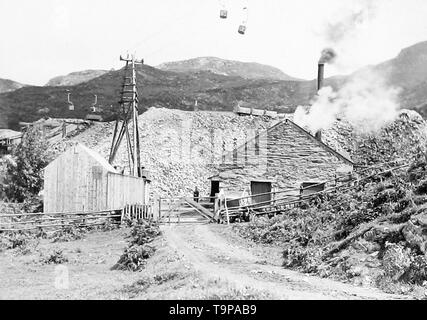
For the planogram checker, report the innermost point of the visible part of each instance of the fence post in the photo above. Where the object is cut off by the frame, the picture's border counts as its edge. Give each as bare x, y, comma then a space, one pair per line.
160, 208
226, 211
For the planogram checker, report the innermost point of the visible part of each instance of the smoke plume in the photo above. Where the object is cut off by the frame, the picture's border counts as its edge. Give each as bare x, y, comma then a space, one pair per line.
347, 22
328, 56
365, 101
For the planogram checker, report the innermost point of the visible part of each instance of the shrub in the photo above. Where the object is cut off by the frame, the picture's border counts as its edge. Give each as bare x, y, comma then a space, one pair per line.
416, 273
138, 251
54, 257
21, 242
68, 233
144, 232
134, 258
396, 260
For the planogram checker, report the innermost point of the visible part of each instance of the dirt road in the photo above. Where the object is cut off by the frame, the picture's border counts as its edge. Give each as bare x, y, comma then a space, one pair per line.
192, 261
215, 253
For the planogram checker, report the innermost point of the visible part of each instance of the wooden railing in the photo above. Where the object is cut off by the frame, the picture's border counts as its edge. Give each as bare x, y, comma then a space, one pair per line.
34, 221
138, 212
59, 220
281, 204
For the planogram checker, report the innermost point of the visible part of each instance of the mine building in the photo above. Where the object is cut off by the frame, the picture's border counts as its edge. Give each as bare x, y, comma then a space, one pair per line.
285, 156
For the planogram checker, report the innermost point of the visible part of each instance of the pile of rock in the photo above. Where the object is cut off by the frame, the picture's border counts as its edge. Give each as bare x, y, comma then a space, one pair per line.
400, 139
180, 148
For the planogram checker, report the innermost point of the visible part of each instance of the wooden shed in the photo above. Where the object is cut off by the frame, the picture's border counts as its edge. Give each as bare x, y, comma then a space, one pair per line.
8, 138
81, 180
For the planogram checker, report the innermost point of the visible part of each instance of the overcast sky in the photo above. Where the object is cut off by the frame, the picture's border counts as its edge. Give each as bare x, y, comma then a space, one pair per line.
46, 38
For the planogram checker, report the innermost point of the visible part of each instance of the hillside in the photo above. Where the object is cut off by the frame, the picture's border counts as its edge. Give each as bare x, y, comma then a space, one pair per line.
246, 70
408, 71
75, 78
157, 88
210, 87
7, 85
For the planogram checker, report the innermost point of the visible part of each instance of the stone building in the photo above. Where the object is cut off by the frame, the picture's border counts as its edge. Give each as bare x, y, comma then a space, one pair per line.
285, 156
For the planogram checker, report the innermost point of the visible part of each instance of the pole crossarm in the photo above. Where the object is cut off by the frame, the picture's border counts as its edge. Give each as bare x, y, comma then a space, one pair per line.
127, 120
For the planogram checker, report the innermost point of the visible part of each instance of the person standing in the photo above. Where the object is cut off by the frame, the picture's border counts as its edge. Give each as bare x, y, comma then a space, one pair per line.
196, 195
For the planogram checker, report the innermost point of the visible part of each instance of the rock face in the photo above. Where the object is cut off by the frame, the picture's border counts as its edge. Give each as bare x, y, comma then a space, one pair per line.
284, 155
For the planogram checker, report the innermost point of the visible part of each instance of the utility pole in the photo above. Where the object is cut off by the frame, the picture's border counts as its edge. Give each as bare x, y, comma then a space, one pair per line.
127, 120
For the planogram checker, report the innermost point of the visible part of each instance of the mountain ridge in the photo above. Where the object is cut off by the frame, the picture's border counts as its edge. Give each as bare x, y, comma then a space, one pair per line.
246, 70
213, 91
7, 85
75, 78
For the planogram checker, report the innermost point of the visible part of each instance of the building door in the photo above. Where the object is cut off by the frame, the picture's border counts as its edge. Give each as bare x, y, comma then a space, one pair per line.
214, 189
260, 188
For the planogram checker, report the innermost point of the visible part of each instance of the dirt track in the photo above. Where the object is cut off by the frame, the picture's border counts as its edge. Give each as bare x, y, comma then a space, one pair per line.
212, 251
192, 261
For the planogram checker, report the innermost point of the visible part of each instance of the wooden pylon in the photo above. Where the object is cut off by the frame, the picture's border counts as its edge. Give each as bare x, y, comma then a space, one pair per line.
127, 119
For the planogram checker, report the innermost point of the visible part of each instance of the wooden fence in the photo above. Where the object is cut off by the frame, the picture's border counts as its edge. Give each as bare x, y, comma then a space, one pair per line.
138, 212
56, 221
288, 200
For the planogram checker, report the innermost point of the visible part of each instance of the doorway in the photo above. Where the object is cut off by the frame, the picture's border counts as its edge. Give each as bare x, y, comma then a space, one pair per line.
214, 190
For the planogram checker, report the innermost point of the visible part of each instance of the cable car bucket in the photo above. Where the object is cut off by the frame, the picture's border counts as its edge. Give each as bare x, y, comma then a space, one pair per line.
94, 108
70, 104
242, 27
223, 13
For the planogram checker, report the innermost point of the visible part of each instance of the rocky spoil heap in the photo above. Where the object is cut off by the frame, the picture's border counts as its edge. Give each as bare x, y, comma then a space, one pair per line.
400, 139
180, 148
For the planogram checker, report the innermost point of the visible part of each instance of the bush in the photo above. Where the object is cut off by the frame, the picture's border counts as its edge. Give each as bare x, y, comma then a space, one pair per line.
396, 260
416, 273
54, 257
21, 242
138, 251
68, 233
134, 258
144, 232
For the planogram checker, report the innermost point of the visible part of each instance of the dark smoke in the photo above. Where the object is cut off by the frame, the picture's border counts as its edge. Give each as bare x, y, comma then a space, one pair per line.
328, 56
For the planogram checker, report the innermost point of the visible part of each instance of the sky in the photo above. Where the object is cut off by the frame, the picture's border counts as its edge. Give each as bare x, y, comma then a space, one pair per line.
47, 38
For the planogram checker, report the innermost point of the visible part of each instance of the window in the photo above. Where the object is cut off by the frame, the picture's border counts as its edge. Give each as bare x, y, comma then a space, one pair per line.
257, 144
307, 188
235, 151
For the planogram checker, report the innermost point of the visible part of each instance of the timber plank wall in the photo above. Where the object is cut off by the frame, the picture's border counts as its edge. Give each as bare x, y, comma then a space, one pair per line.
78, 182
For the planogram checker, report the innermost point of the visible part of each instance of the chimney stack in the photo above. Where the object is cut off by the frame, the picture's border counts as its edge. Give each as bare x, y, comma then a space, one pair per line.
320, 75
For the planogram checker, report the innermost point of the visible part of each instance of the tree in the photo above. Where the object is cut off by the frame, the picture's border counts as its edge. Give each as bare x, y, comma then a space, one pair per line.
24, 175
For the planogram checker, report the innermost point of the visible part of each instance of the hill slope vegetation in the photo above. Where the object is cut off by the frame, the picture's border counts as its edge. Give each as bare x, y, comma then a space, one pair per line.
216, 84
